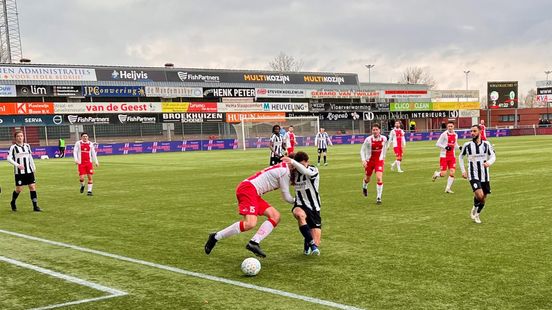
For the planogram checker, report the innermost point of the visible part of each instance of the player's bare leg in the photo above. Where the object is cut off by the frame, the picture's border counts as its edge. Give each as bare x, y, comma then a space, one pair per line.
310, 245
273, 218
365, 182
480, 196
379, 186
249, 222
90, 184
450, 180
81, 180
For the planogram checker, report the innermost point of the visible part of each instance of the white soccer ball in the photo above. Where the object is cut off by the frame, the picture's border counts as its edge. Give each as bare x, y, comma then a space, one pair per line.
251, 266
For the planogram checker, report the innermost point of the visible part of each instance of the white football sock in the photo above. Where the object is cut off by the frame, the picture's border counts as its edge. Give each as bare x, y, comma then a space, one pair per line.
398, 165
449, 182
229, 231
379, 189
364, 185
263, 232
89, 187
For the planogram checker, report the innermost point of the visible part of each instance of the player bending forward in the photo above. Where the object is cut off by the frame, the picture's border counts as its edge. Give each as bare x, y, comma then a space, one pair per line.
251, 205
397, 138
84, 153
481, 156
448, 143
372, 155
307, 201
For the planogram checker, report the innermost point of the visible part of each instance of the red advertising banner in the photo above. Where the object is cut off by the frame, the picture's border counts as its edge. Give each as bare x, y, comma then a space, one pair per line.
25, 108
207, 107
238, 117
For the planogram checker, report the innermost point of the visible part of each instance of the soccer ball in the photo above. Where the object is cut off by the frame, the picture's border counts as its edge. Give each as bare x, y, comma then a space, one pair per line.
251, 266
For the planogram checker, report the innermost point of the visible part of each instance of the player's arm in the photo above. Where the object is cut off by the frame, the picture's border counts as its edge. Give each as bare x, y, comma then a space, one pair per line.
365, 152
403, 139
11, 157
329, 140
76, 152
302, 169
461, 160
316, 140
93, 155
384, 149
284, 189
392, 137
442, 141
491, 155
31, 159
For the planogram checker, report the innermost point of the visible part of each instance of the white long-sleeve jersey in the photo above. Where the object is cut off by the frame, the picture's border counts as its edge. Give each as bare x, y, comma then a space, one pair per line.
307, 183
447, 139
395, 135
373, 146
78, 154
272, 178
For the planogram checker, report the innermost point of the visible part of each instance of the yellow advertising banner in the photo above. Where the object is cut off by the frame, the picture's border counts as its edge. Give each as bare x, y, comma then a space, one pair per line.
449, 106
175, 107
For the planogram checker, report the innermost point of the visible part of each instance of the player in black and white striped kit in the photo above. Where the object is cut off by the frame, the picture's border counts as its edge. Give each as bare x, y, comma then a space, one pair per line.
306, 209
21, 157
481, 156
322, 140
276, 146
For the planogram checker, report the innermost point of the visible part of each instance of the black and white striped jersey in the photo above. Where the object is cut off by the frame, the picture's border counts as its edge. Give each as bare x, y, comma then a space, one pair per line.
307, 182
277, 146
477, 155
322, 140
21, 155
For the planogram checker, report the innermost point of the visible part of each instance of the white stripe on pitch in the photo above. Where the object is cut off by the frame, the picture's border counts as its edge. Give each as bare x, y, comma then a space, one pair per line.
112, 292
188, 273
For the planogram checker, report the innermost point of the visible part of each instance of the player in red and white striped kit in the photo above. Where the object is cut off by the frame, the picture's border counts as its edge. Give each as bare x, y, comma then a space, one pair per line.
84, 153
397, 138
289, 140
372, 155
251, 205
448, 143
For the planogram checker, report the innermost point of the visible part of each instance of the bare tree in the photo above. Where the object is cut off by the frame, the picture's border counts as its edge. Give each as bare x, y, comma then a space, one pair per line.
417, 75
286, 63
531, 98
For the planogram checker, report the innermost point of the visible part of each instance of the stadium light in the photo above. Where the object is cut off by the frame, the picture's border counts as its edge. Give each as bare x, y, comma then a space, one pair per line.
369, 67
467, 72
547, 72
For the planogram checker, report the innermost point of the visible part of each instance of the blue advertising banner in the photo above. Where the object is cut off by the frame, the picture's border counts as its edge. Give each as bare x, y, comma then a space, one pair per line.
113, 91
227, 144
34, 120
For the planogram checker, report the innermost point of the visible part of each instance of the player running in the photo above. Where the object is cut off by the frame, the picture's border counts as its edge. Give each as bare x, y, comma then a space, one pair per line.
372, 155
289, 140
251, 205
306, 209
21, 157
322, 140
481, 156
448, 142
276, 146
84, 153
397, 138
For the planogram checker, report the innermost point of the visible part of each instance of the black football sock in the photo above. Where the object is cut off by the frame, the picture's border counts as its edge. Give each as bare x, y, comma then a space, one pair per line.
305, 231
34, 199
318, 159
480, 207
14, 196
324, 158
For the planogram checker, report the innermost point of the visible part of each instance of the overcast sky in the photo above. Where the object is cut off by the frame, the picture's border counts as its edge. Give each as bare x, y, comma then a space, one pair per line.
495, 40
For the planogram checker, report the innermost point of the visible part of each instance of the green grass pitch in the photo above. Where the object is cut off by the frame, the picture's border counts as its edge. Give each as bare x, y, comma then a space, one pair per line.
418, 250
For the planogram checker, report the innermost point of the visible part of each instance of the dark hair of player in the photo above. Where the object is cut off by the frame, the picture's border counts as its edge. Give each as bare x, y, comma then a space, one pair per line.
274, 128
301, 156
450, 122
376, 125
476, 126
84, 133
17, 132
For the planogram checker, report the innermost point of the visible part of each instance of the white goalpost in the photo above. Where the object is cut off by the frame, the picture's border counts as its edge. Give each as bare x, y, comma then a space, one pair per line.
248, 128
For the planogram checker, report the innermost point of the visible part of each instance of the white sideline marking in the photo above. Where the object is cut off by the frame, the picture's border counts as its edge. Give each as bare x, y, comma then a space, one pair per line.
112, 292
187, 272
